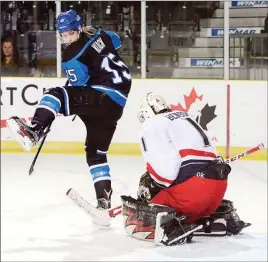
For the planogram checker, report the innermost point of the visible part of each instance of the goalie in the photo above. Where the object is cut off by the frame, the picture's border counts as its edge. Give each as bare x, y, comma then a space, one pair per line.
181, 193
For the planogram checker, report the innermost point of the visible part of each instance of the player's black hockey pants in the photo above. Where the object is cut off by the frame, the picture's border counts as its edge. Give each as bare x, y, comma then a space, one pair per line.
99, 114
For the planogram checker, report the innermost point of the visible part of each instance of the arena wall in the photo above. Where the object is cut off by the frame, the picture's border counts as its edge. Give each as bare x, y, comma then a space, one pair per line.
237, 120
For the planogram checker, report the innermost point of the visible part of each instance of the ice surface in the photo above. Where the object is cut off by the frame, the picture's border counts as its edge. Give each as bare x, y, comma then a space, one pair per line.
40, 223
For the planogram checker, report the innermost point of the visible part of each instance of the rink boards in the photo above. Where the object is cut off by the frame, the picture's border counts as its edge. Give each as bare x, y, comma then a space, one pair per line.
231, 110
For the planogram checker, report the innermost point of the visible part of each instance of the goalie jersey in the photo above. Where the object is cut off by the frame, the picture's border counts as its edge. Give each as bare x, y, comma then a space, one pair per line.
174, 147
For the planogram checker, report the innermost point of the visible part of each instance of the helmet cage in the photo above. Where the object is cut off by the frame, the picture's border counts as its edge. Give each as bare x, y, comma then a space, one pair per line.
153, 105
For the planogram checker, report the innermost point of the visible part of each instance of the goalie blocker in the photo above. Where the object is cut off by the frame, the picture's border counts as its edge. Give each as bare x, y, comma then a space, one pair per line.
155, 223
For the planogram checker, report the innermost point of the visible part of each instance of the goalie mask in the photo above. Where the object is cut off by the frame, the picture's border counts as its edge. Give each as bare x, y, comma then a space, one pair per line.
154, 104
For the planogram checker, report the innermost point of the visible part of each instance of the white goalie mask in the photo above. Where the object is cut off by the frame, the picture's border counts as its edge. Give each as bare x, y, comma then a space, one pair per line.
153, 104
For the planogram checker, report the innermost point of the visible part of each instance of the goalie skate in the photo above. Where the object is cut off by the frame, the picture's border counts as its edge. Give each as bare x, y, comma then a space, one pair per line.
23, 133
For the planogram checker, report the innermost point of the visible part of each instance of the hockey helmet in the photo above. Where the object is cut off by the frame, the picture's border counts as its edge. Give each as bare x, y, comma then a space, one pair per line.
152, 105
68, 21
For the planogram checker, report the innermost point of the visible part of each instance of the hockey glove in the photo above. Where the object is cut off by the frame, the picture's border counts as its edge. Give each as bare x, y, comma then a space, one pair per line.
148, 188
144, 193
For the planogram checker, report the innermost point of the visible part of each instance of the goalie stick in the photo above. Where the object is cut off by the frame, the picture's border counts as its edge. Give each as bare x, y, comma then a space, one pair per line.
248, 152
103, 217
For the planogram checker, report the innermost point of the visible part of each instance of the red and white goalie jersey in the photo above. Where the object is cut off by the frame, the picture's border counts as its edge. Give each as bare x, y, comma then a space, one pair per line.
174, 147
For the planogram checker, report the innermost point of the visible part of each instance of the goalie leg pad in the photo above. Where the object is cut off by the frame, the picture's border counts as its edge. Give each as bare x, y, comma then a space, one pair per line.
156, 223
227, 211
140, 217
174, 232
211, 227
225, 221
234, 224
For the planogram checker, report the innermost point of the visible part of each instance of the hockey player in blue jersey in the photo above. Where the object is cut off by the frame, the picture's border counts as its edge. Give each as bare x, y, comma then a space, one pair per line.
99, 84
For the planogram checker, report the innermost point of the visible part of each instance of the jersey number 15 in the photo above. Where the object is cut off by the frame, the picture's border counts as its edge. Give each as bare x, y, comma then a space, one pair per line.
117, 74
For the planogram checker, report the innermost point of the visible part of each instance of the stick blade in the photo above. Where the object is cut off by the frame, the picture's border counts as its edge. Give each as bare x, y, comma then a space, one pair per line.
99, 217
31, 170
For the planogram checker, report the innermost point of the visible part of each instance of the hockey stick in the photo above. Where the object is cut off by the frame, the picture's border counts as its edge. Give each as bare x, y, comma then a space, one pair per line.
41, 144
102, 217
38, 151
99, 217
248, 152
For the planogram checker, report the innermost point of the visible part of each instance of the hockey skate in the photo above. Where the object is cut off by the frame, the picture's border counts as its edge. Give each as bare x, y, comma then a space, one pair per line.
103, 193
27, 136
103, 203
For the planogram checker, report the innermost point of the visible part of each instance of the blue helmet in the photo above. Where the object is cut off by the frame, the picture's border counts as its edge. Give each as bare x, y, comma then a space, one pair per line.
68, 21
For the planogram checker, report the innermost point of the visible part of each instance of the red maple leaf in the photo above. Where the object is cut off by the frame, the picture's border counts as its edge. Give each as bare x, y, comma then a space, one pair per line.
189, 100
140, 227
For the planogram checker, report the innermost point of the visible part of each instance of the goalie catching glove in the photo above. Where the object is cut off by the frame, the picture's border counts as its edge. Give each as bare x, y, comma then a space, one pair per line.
148, 188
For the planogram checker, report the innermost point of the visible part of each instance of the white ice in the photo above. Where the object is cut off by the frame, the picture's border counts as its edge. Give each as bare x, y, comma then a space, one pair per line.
40, 223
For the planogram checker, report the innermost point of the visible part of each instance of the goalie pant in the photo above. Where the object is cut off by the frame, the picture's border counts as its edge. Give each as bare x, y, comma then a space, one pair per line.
196, 197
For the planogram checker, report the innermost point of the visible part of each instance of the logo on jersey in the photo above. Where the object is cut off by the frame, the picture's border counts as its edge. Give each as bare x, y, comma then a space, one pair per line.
98, 45
200, 174
195, 106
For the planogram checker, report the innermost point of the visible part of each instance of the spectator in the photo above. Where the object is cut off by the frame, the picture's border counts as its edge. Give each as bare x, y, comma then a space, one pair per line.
11, 63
